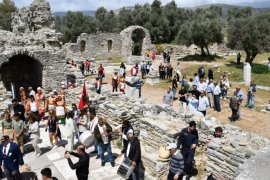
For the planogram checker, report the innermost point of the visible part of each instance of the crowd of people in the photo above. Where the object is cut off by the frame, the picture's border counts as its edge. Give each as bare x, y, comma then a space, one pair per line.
200, 93
29, 110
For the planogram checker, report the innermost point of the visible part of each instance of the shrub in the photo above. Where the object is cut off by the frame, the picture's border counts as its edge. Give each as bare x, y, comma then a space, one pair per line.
260, 69
159, 49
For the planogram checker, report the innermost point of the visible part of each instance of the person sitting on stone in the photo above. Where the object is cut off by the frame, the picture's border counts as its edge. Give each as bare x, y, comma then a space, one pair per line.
217, 134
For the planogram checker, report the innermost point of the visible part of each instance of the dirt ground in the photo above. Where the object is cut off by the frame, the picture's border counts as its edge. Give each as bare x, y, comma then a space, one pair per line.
251, 121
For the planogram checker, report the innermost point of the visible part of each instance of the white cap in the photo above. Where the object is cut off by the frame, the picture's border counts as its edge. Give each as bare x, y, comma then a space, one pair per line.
54, 90
172, 146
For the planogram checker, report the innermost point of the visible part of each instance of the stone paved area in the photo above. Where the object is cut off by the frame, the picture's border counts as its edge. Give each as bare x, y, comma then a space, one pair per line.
55, 160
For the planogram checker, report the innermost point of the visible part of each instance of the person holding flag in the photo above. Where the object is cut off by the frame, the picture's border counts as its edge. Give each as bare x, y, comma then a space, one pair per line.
84, 98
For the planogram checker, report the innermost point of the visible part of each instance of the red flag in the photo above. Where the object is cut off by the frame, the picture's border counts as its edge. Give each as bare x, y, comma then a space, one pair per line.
83, 102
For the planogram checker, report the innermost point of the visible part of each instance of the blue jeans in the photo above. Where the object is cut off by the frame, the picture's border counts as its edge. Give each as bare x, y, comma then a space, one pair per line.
217, 103
105, 148
224, 92
250, 99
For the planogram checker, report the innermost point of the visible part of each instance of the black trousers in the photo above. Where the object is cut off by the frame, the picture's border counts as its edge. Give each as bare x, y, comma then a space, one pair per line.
188, 156
235, 115
171, 176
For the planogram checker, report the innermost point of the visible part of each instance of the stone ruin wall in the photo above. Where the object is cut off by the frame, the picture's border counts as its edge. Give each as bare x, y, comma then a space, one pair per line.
158, 125
98, 45
34, 37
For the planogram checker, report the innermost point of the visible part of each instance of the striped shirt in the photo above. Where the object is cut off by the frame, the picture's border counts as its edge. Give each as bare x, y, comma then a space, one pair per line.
177, 163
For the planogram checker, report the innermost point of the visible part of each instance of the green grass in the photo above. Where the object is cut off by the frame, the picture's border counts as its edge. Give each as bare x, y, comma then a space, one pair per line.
236, 73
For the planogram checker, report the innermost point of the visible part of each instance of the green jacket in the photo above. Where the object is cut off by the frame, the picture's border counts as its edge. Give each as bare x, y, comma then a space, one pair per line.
98, 135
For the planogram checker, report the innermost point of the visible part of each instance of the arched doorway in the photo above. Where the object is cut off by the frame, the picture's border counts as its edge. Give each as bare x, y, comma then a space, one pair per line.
82, 45
138, 36
22, 71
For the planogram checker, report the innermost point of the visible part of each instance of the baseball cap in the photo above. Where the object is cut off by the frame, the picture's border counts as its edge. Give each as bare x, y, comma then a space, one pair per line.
172, 146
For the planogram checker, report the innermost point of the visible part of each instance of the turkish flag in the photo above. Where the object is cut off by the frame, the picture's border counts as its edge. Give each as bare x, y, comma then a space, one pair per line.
84, 97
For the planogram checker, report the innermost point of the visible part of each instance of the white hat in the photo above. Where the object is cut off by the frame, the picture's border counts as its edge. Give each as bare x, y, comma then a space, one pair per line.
63, 83
54, 90
172, 146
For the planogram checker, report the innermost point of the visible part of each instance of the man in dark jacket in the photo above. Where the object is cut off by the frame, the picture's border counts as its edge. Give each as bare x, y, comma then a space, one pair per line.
18, 108
210, 74
187, 142
82, 166
103, 134
133, 152
12, 158
201, 72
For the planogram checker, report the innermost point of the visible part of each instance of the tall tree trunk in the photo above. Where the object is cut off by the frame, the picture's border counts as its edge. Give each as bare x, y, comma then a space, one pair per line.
202, 51
248, 56
208, 53
253, 55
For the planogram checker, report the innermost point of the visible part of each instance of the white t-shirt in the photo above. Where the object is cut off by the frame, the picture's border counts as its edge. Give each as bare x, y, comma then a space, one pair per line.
104, 137
33, 107
93, 124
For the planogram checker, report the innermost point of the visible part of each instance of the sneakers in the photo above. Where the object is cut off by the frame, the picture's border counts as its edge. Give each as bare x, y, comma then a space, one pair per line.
113, 164
38, 154
102, 163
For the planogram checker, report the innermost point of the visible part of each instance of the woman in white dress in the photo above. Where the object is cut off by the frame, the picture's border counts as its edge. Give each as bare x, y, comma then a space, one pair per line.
70, 129
34, 133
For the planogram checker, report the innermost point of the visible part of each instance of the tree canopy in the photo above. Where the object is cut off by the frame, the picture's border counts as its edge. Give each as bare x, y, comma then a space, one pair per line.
6, 8
249, 33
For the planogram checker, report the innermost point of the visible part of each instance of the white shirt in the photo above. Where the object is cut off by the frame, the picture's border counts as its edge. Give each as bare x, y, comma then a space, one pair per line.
202, 86
203, 103
93, 124
33, 106
83, 125
134, 71
104, 137
128, 149
34, 129
125, 136
217, 90
7, 149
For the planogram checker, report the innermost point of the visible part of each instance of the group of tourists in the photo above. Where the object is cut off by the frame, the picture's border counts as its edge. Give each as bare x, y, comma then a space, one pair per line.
200, 93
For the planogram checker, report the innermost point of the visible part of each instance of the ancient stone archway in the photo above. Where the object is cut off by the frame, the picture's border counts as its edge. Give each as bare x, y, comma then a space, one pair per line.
82, 45
135, 41
23, 71
138, 36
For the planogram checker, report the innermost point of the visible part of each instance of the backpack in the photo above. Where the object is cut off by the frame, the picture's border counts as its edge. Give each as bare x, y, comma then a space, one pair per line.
234, 102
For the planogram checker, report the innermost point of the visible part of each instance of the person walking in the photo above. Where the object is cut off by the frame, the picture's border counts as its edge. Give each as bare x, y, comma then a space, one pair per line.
168, 97
102, 133
98, 85
53, 126
234, 105
139, 85
18, 108
143, 69
11, 158
178, 72
7, 126
122, 70
183, 100
122, 84
210, 74
240, 95
174, 86
192, 103
83, 120
176, 163
70, 130
82, 166
251, 91
225, 85
114, 82
126, 128
187, 141
18, 131
33, 107
92, 125
133, 152
201, 72
34, 133
217, 93
203, 103
82, 67
210, 90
